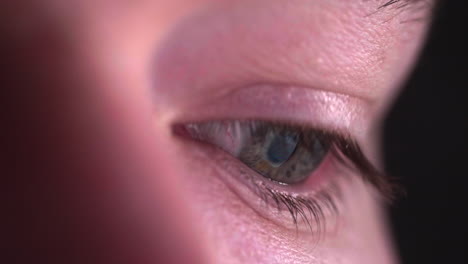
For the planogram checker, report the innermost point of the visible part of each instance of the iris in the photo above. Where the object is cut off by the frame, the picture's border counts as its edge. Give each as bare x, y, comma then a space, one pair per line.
283, 153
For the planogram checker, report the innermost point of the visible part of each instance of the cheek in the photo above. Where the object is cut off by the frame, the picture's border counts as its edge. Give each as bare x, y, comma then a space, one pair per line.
235, 232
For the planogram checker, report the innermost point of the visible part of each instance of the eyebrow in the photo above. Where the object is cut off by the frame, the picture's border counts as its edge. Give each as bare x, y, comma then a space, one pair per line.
398, 4
391, 2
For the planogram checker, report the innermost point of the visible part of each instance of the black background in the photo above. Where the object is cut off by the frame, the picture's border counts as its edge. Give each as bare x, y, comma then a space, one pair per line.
425, 144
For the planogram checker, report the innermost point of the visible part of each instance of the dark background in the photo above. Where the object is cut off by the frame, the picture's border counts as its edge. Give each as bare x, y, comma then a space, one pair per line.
425, 144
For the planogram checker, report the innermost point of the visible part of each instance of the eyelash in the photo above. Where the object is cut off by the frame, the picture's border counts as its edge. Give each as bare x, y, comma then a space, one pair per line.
344, 150
302, 208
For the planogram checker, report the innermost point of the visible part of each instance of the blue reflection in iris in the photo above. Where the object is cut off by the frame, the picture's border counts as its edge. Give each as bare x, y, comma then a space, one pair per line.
281, 148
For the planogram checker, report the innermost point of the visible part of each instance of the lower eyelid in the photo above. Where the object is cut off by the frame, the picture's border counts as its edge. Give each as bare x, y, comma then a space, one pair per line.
255, 192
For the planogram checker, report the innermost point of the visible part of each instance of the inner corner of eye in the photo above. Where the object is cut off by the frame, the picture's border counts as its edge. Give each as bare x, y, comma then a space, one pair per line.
222, 134
179, 130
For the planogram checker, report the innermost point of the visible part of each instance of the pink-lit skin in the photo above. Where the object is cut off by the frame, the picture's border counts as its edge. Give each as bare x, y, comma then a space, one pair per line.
103, 178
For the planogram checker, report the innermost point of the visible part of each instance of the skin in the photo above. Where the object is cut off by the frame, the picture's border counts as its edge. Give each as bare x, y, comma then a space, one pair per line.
104, 180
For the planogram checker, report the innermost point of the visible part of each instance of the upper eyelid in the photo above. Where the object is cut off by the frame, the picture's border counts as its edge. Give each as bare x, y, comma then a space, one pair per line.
294, 104
323, 110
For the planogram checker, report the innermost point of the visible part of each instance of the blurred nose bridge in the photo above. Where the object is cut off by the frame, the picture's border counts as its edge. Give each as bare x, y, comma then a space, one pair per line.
99, 149
145, 167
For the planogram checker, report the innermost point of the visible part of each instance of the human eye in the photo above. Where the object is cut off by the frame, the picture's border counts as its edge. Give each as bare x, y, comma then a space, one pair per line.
282, 117
290, 172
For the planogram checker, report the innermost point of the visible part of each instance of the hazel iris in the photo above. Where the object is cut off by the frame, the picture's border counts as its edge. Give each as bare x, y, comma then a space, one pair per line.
285, 154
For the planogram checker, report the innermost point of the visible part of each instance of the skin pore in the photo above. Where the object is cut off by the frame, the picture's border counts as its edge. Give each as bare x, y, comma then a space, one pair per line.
112, 79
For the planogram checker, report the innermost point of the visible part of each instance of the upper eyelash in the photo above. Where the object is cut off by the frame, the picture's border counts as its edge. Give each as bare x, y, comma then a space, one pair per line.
348, 152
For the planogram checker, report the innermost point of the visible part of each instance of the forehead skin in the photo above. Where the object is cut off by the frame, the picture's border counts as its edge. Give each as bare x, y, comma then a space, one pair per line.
356, 46
114, 65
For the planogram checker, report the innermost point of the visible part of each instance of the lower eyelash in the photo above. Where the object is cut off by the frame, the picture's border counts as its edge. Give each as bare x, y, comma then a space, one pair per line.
309, 210
315, 210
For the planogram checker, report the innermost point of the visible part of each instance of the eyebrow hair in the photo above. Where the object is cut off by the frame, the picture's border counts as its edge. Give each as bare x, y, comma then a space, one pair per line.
413, 6
400, 3
389, 3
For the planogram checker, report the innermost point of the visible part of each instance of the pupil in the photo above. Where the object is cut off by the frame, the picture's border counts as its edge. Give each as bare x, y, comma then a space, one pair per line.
281, 148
